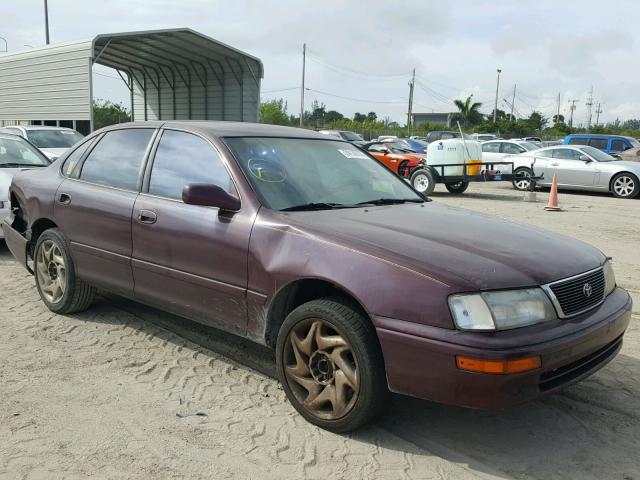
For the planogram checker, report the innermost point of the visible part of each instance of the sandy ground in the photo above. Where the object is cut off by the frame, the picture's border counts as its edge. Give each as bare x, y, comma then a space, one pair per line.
97, 394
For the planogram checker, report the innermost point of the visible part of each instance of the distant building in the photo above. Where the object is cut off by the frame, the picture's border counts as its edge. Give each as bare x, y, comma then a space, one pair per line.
445, 119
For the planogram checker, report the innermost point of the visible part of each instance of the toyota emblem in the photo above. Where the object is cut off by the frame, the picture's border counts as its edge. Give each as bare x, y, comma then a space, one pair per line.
587, 290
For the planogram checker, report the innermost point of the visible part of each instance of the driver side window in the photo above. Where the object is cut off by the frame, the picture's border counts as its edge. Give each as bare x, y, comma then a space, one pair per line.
566, 154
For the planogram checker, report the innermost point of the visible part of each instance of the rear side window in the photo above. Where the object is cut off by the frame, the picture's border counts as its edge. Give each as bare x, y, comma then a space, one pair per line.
566, 154
72, 160
511, 148
117, 158
618, 146
601, 143
491, 147
578, 141
183, 158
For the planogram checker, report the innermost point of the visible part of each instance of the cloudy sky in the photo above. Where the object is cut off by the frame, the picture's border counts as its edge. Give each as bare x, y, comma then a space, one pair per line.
361, 53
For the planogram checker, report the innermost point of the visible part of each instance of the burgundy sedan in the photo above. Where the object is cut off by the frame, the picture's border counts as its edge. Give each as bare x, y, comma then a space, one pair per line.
309, 245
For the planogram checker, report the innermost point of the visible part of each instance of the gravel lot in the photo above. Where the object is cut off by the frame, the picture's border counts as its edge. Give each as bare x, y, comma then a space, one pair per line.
97, 394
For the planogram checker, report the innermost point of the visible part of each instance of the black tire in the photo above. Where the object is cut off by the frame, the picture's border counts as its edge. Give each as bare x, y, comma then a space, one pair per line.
422, 181
625, 185
342, 318
77, 295
522, 185
457, 188
403, 169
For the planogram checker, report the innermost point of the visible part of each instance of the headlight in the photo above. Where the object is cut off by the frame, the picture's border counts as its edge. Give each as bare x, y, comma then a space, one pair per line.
501, 310
609, 278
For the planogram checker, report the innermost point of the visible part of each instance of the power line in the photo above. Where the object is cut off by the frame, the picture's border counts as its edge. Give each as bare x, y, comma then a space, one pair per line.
355, 99
348, 71
281, 90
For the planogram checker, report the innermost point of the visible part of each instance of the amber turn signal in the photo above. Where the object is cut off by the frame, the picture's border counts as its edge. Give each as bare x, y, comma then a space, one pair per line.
497, 366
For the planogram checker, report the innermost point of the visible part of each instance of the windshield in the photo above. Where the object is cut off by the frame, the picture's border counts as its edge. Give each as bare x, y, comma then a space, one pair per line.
633, 142
529, 146
350, 136
53, 138
16, 152
292, 172
399, 148
598, 155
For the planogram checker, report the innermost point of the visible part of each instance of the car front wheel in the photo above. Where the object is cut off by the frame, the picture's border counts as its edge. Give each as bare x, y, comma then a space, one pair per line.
625, 185
523, 182
330, 365
60, 289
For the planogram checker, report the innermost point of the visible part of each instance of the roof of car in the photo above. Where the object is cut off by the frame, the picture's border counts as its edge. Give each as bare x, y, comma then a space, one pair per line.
238, 129
39, 127
596, 135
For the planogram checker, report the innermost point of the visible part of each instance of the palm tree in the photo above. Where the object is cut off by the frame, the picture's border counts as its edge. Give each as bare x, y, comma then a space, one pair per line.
468, 112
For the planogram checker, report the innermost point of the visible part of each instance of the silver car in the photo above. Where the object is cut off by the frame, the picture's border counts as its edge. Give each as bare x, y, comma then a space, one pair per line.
52, 141
16, 154
578, 168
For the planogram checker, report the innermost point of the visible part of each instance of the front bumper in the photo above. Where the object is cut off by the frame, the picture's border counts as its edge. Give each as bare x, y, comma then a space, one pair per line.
420, 360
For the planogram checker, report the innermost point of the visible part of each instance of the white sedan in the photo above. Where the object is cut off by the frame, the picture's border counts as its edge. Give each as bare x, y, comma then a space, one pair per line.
578, 167
497, 150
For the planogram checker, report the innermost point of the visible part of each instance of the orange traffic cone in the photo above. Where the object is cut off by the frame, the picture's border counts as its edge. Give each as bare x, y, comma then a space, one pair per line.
553, 196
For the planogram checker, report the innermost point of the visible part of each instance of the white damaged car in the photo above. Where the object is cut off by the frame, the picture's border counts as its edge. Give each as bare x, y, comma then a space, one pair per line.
16, 154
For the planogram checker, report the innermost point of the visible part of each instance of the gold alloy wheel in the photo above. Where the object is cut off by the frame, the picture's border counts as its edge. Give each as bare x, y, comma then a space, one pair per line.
51, 271
321, 369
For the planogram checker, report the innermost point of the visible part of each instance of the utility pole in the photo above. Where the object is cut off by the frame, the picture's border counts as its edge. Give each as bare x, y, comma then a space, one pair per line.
558, 113
598, 112
410, 109
513, 102
495, 106
572, 108
589, 104
304, 59
46, 20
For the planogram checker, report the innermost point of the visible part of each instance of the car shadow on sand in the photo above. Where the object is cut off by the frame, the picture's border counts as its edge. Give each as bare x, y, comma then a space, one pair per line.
589, 430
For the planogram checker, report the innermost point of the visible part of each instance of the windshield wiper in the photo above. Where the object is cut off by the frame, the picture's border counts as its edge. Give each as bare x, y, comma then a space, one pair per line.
314, 206
18, 165
391, 201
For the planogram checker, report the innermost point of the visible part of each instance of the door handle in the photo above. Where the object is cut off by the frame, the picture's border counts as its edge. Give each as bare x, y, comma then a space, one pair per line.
147, 216
555, 164
64, 199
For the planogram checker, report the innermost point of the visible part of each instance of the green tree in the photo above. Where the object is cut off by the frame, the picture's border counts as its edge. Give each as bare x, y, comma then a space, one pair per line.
107, 113
333, 116
558, 119
359, 117
468, 111
372, 117
274, 112
537, 121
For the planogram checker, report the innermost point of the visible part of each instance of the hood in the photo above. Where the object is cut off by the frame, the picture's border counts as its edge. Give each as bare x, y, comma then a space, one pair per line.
53, 153
464, 249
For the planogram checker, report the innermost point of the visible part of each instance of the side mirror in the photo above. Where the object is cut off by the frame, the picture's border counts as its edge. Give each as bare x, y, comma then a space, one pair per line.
584, 158
385, 151
208, 195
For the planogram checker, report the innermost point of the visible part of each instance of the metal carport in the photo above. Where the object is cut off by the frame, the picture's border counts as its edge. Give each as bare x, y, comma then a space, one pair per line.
171, 74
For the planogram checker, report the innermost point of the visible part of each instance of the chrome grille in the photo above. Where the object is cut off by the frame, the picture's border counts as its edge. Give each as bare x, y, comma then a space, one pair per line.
577, 294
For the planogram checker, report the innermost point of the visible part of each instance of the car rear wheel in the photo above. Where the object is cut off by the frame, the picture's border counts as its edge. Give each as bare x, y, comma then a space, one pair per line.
330, 365
422, 181
523, 182
56, 281
625, 185
457, 188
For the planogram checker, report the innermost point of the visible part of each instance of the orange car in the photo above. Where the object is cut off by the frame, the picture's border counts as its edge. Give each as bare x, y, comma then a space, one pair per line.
397, 157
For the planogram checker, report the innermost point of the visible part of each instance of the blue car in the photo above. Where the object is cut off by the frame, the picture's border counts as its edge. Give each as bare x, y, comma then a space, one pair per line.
626, 148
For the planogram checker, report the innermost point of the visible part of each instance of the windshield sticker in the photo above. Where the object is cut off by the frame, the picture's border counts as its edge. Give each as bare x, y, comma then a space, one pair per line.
352, 153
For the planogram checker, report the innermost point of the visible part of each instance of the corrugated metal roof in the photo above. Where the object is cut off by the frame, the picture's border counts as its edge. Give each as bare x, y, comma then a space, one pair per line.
171, 74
